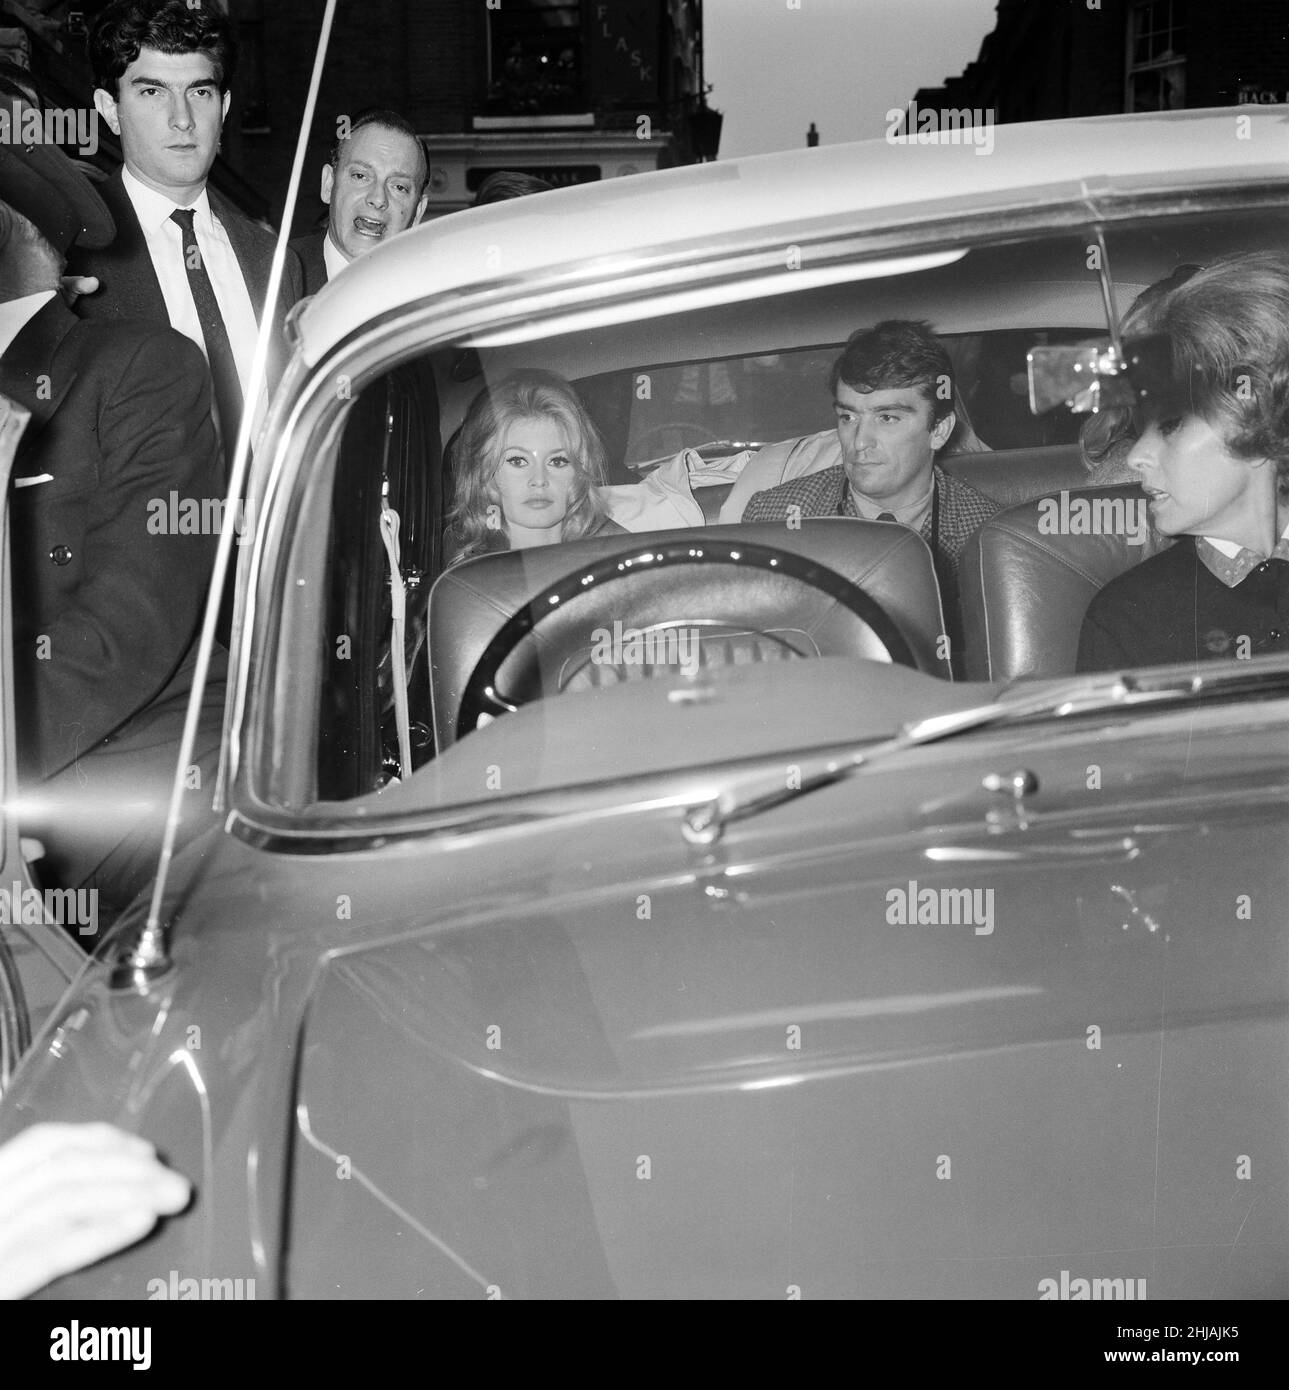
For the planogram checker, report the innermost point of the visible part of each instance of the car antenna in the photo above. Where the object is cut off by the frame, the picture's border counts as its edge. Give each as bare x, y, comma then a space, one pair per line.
149, 957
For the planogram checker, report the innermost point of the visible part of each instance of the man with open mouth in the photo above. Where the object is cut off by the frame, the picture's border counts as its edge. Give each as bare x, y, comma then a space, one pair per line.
375, 186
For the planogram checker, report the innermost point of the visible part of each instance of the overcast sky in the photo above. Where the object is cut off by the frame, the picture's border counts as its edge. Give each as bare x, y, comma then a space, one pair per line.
840, 63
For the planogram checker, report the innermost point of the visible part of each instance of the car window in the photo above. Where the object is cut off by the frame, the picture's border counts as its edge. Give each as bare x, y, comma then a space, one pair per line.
712, 379
389, 474
755, 400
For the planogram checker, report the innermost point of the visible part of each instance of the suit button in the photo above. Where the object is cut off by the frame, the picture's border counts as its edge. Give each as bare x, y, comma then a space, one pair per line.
61, 555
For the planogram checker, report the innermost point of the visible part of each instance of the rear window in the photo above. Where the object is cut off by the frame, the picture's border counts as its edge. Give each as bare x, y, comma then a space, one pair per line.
746, 401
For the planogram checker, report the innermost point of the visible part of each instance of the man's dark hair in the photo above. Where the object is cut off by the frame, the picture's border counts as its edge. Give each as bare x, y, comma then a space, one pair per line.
509, 183
126, 27
387, 120
895, 354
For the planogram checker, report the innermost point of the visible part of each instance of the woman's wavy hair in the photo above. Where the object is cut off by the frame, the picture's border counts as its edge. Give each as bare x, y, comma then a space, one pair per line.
1228, 330
474, 455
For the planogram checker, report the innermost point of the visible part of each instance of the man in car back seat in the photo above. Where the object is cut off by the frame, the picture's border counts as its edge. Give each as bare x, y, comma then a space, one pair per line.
893, 393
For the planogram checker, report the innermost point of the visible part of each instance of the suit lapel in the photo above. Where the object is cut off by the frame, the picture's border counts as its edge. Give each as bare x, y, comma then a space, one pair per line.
27, 369
28, 373
951, 521
255, 268
255, 265
130, 285
313, 261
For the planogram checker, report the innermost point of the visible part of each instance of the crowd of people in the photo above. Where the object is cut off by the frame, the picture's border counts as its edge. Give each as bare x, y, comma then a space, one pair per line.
1211, 453
129, 311
152, 365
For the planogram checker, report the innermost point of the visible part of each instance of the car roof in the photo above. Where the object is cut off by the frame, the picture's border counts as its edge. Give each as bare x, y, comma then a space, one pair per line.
782, 194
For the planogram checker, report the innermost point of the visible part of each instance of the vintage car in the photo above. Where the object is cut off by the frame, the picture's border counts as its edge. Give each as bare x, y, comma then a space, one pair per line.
797, 969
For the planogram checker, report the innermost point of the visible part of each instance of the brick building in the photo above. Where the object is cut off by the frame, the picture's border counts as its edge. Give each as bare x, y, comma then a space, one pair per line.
1052, 58
572, 90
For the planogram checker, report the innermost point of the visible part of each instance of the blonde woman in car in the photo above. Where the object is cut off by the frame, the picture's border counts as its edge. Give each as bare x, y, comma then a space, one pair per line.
1212, 454
527, 466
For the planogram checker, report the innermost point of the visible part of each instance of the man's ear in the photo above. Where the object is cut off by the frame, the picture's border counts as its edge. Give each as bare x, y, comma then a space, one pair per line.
223, 115
943, 429
420, 208
328, 183
105, 105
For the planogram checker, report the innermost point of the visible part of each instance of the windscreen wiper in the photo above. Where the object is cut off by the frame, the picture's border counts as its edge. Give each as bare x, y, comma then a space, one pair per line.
704, 823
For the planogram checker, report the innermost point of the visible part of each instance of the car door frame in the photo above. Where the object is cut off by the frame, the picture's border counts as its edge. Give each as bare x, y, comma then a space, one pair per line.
38, 960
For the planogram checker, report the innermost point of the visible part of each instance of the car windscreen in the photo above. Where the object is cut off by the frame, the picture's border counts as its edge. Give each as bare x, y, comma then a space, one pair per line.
495, 451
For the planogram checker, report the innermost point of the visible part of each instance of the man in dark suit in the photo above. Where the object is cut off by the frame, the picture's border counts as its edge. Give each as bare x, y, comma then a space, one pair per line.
893, 393
107, 597
375, 186
183, 255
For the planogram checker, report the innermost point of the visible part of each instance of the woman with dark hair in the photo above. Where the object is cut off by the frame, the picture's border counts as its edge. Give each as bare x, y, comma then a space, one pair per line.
1106, 437
527, 465
1212, 454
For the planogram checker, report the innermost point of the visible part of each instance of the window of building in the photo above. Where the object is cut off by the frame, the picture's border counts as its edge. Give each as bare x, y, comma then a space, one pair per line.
252, 105
535, 58
1156, 56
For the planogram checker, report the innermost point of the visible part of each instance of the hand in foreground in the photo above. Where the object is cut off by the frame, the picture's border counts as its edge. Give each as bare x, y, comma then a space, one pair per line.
76, 285
71, 1194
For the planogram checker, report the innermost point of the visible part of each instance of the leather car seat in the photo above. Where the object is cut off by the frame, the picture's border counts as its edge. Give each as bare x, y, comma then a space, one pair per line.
1013, 476
1028, 575
470, 602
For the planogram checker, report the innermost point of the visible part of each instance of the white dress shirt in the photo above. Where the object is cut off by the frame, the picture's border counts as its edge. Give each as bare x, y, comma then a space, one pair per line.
1233, 563
332, 257
164, 239
16, 314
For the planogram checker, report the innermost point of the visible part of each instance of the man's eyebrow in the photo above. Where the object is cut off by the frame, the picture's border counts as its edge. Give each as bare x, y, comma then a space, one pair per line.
211, 81
901, 406
371, 169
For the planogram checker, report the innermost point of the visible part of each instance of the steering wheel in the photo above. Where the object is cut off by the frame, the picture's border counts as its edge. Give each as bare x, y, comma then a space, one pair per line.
564, 603
703, 432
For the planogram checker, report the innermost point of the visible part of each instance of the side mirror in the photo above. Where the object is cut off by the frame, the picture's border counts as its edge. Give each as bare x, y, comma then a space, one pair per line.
1096, 376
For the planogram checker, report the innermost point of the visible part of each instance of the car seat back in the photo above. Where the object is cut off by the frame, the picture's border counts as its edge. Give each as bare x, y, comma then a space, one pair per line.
755, 615
1012, 476
1028, 575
